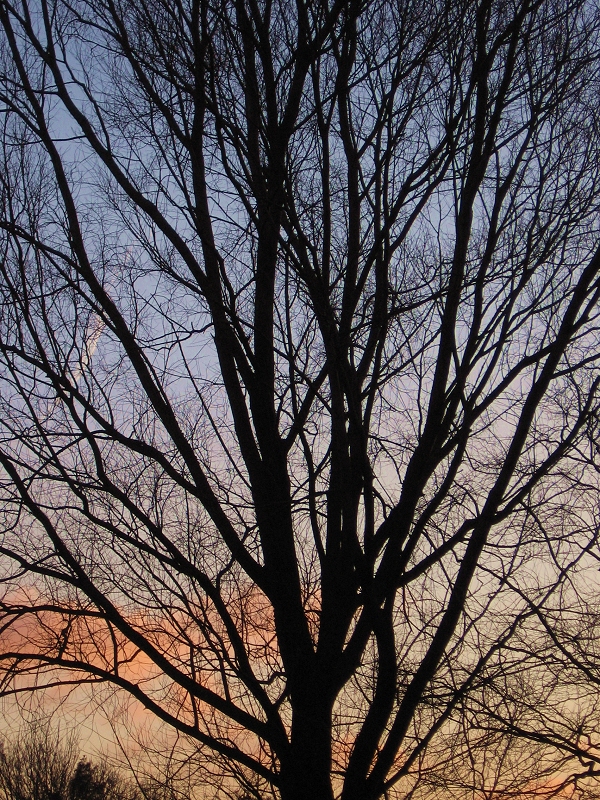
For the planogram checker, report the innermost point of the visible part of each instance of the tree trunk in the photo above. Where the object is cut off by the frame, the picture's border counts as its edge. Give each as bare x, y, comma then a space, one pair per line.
307, 773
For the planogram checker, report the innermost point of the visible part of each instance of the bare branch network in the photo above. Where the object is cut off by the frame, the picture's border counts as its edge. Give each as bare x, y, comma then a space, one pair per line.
299, 383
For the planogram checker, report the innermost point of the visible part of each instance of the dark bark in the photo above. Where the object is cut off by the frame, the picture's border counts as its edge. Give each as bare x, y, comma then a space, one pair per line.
298, 377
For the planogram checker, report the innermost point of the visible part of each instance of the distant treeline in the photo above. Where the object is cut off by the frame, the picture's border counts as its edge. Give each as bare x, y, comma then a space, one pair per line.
38, 762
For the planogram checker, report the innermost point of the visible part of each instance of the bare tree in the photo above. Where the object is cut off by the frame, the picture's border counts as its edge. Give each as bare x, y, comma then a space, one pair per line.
36, 764
298, 345
41, 762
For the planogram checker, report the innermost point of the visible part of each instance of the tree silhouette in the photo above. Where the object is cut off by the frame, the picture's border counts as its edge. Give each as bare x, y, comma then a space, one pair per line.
39, 762
88, 783
298, 346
